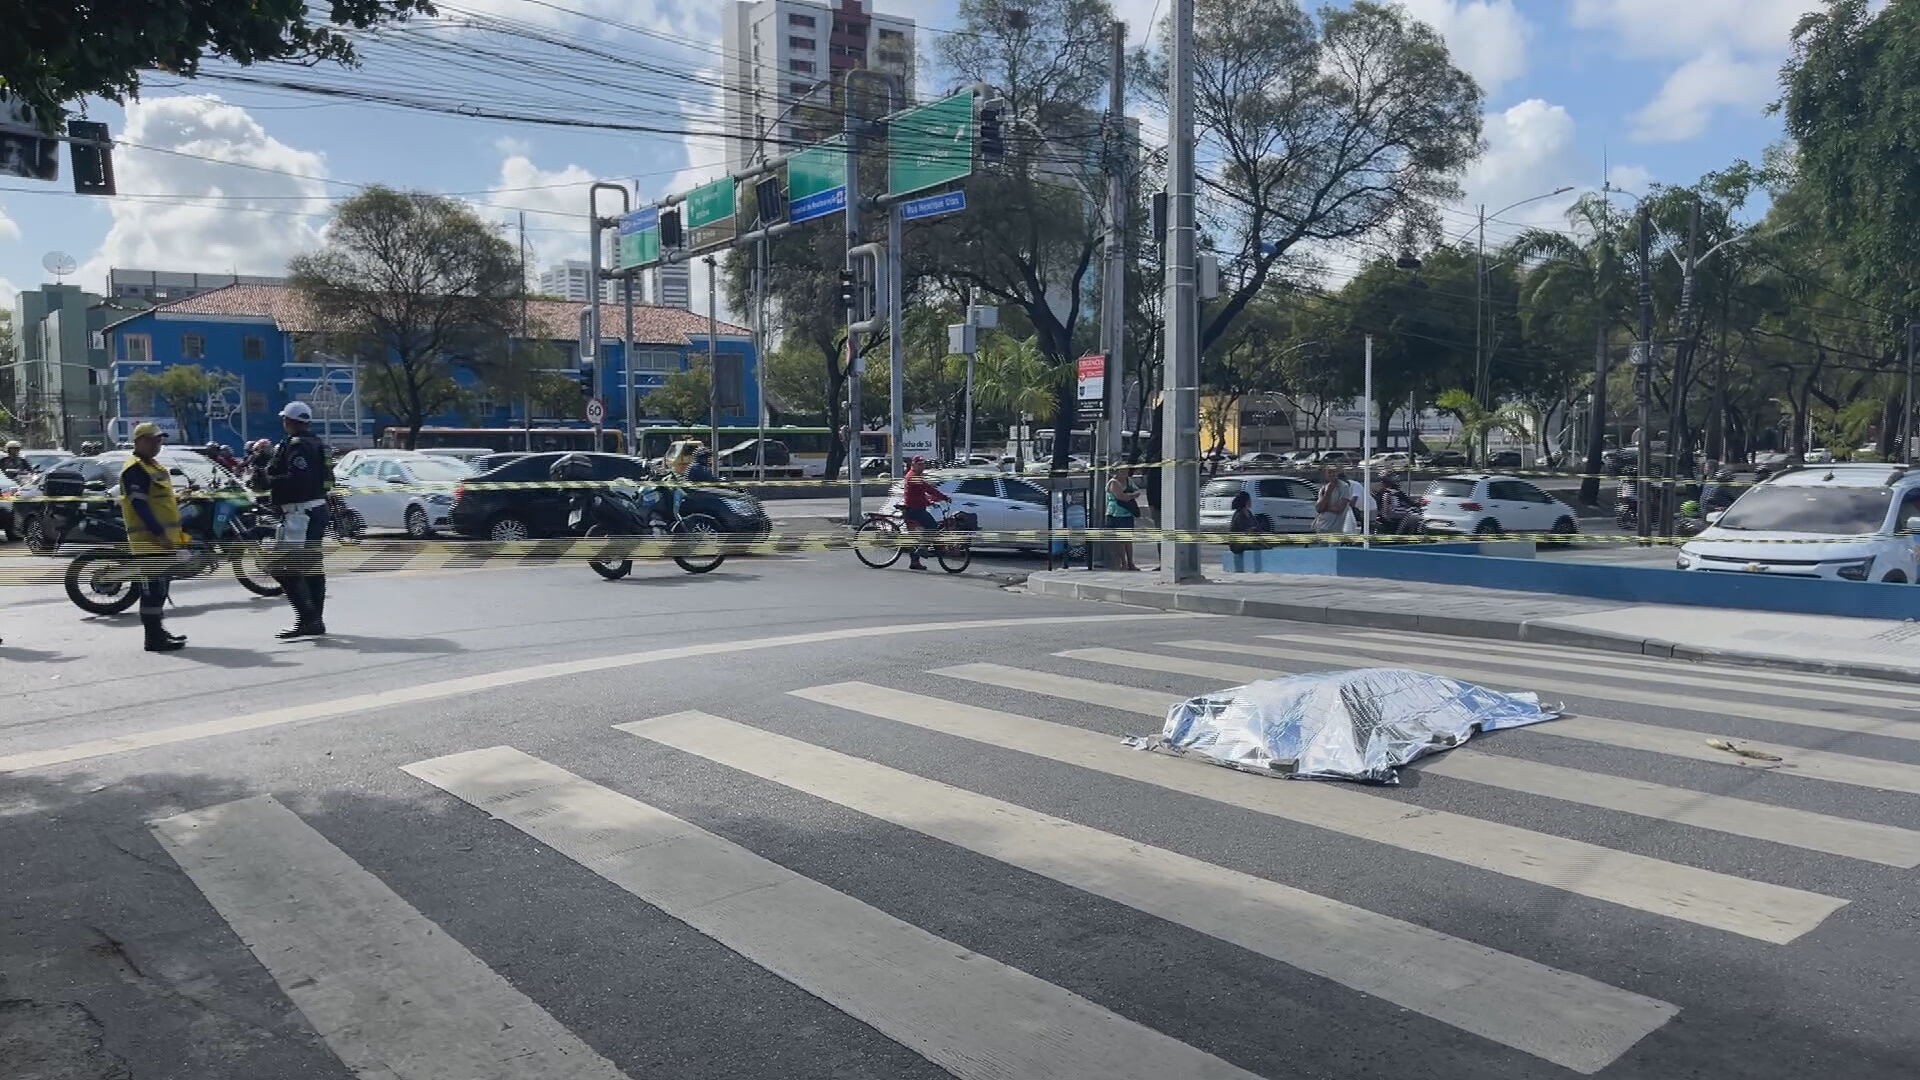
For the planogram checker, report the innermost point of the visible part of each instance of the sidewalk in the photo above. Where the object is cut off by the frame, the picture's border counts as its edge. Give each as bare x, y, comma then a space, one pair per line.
1862, 648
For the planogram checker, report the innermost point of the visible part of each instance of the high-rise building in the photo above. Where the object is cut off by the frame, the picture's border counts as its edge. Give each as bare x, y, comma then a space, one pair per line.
673, 286
572, 279
783, 53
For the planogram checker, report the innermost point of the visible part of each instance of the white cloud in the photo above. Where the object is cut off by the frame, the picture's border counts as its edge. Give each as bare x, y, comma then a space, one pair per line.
1682, 28
1530, 151
8, 230
1687, 100
1488, 38
8, 290
235, 199
1632, 179
555, 201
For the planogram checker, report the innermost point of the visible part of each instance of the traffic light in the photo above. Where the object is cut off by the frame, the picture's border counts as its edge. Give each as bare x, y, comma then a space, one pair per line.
670, 230
770, 200
91, 147
586, 380
993, 147
846, 290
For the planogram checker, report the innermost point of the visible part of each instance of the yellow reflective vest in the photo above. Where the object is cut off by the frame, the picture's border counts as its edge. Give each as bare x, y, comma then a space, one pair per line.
150, 482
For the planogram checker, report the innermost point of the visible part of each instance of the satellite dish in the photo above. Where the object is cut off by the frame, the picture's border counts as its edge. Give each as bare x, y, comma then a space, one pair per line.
59, 264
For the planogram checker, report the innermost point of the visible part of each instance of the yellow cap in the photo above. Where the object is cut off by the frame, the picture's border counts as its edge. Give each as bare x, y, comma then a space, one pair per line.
142, 431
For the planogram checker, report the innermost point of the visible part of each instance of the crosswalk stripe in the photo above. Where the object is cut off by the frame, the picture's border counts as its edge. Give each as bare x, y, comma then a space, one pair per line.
1896, 695
1674, 742
1827, 695
1778, 714
1766, 912
393, 996
1556, 1015
1862, 840
969, 1014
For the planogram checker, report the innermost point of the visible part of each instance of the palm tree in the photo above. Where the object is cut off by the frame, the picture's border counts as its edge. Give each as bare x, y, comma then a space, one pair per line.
1476, 423
1583, 282
1012, 378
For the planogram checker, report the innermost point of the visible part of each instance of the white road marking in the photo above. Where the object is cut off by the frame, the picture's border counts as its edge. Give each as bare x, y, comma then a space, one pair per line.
332, 708
393, 996
1896, 695
1559, 1016
1863, 840
1771, 913
969, 1014
1778, 714
1832, 694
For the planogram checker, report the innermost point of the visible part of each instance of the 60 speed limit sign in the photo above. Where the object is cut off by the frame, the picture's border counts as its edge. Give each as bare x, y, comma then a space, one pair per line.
596, 410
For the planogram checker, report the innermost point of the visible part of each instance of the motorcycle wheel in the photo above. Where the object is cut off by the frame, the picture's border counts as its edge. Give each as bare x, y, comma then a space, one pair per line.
95, 583
255, 578
38, 533
612, 571
705, 530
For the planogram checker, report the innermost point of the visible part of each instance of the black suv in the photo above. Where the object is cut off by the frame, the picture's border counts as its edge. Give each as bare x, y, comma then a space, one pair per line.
539, 509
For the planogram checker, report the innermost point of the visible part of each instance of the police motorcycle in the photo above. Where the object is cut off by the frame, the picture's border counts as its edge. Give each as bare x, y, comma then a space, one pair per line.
625, 509
223, 528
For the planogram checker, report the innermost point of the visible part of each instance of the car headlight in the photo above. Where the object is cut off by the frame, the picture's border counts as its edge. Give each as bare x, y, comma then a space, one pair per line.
1857, 570
1683, 561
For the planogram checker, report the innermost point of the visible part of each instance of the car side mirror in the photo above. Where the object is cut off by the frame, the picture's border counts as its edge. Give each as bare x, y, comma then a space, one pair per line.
1913, 524
1713, 518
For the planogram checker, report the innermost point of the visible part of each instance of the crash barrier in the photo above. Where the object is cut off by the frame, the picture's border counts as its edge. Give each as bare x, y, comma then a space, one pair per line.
1304, 560
1757, 591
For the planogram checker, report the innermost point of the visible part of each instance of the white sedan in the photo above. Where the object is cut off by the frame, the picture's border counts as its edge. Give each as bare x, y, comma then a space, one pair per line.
1003, 503
410, 493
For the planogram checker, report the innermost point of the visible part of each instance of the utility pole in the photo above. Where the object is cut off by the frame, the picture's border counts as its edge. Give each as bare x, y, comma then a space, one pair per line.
1179, 486
1643, 377
896, 348
852, 128
1480, 314
713, 356
1906, 424
626, 369
526, 390
1682, 369
1113, 280
760, 354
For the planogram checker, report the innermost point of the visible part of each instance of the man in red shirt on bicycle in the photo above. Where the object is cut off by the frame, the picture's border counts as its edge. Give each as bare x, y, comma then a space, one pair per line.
920, 494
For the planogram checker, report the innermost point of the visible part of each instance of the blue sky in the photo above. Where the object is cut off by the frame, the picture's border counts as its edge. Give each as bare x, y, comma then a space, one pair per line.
1648, 90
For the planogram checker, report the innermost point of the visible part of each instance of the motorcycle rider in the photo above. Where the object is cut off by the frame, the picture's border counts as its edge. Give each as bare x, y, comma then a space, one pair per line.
1719, 492
152, 517
298, 476
11, 462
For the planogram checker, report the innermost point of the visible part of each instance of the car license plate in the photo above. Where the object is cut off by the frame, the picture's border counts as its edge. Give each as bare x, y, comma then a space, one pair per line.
1219, 504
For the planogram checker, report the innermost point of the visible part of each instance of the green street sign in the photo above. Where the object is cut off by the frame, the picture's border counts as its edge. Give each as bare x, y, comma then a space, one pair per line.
710, 214
930, 145
817, 181
637, 243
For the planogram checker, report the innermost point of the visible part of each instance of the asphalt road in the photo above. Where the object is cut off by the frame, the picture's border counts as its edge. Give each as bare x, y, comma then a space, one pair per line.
861, 824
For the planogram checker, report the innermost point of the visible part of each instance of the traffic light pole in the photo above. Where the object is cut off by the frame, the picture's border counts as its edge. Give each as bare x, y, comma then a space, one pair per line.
856, 498
1179, 507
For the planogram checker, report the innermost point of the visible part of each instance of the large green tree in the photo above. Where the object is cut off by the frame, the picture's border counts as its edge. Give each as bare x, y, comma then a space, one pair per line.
53, 52
183, 391
413, 284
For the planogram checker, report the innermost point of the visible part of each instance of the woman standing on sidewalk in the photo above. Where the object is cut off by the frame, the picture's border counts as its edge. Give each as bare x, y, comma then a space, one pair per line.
1335, 509
1123, 508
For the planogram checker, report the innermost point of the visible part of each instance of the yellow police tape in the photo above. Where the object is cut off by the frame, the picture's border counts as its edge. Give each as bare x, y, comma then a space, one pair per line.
401, 555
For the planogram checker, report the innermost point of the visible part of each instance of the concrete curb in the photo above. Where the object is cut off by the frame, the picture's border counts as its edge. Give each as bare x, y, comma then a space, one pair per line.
1455, 626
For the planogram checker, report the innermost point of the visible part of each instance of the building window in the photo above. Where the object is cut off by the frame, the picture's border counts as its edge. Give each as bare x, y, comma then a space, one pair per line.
891, 36
193, 347
483, 404
139, 348
800, 67
655, 360
890, 57
253, 347
256, 402
798, 89
728, 383
804, 21
799, 43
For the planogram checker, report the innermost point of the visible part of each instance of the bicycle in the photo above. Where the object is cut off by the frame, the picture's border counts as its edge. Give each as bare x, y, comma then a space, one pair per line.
882, 538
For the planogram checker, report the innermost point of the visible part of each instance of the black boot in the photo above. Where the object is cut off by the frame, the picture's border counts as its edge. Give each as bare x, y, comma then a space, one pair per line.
303, 620
158, 640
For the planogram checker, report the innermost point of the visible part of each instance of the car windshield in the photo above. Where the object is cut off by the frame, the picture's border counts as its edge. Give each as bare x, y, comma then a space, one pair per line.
432, 469
1829, 511
1450, 489
1220, 489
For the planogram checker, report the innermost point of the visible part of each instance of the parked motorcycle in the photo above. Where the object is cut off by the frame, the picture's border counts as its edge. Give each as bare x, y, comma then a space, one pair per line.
224, 530
627, 510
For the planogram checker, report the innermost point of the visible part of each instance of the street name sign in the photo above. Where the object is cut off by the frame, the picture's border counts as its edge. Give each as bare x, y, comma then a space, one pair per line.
817, 181
710, 214
931, 145
932, 206
637, 240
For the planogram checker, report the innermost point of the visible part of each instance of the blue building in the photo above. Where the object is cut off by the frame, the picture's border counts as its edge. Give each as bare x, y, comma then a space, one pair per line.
270, 348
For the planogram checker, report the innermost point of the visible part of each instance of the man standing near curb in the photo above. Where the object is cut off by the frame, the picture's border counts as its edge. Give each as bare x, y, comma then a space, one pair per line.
298, 477
152, 517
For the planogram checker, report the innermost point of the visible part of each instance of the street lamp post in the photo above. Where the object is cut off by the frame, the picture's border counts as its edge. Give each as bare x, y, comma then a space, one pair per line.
1482, 360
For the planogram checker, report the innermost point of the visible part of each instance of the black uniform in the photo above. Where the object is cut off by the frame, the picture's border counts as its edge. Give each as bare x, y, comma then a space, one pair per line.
298, 476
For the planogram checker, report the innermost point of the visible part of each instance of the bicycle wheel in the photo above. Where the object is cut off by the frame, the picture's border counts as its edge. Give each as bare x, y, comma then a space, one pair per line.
877, 543
955, 555
611, 569
706, 532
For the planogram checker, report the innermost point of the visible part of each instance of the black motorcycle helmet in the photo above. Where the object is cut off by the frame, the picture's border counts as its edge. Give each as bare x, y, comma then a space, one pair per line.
571, 468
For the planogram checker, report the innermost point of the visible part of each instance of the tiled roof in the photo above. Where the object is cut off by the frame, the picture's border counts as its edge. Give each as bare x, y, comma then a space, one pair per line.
556, 319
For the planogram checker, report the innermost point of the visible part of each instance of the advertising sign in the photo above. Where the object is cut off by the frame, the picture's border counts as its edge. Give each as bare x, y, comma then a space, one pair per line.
1091, 387
817, 181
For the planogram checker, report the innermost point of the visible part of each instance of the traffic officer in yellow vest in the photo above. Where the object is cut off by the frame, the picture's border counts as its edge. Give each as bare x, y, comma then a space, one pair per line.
152, 517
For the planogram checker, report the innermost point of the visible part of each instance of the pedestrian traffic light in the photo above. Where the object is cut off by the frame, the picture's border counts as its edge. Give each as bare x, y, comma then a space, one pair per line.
770, 200
993, 147
586, 380
846, 290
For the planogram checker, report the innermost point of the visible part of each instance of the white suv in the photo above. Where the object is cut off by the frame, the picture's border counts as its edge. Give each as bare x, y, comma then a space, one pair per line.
1485, 505
1836, 522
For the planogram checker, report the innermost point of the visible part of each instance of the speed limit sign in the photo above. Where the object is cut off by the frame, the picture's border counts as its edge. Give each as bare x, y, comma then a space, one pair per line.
596, 410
